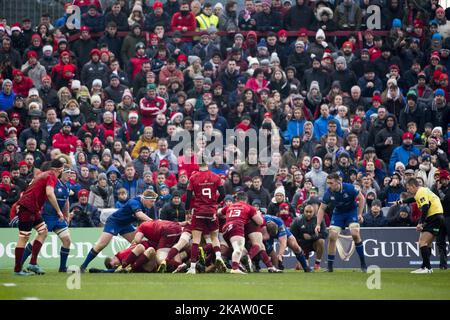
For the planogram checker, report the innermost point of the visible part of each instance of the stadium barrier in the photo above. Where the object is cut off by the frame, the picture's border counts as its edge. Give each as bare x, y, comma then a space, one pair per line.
384, 247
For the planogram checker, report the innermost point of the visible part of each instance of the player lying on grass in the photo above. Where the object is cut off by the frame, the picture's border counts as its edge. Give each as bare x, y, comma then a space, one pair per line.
53, 221
136, 258
348, 204
275, 229
121, 222
430, 223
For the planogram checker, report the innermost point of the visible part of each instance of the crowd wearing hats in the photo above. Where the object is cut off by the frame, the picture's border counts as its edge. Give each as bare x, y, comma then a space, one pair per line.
376, 112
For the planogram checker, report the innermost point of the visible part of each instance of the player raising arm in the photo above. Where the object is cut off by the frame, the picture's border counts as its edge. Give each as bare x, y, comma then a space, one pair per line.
343, 197
121, 222
29, 208
430, 223
203, 190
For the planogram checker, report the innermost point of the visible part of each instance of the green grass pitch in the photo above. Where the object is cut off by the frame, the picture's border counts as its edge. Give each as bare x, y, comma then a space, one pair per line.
343, 284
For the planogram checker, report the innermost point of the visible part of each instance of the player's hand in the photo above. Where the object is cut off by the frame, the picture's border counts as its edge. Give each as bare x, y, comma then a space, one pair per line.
317, 229
419, 227
61, 216
360, 219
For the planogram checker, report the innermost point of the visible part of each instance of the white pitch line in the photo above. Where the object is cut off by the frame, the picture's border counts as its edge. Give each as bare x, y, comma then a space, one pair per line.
9, 284
30, 298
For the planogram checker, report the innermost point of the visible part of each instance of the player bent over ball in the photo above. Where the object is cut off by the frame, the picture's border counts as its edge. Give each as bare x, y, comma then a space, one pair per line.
136, 258
162, 235
121, 222
237, 216
343, 197
275, 229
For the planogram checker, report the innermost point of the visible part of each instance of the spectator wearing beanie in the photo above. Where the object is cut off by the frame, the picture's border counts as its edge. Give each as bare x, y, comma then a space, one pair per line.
375, 217
9, 193
84, 214
33, 69
174, 210
403, 152
101, 194
389, 138
411, 113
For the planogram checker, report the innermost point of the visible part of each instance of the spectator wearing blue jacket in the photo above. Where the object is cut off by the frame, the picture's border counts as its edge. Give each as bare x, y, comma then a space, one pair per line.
403, 152
7, 96
375, 217
321, 124
134, 186
295, 125
94, 20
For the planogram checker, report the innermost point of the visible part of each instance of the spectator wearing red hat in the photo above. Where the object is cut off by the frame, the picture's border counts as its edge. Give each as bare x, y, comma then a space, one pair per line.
21, 83
58, 75
157, 17
83, 214
94, 69
170, 178
83, 46
48, 95
403, 152
33, 69
85, 4
18, 40
9, 193
36, 46
433, 66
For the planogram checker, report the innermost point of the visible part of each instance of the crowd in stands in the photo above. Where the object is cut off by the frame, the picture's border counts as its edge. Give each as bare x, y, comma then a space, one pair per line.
377, 111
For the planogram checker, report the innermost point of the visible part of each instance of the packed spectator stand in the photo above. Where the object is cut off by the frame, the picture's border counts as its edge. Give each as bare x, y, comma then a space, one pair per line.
328, 94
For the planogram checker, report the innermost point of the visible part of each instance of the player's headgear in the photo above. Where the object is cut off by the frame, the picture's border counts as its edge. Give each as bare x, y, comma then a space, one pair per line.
149, 195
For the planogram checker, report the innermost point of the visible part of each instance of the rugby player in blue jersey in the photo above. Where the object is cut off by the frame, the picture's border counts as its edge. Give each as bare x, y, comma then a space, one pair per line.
275, 229
54, 222
348, 204
121, 222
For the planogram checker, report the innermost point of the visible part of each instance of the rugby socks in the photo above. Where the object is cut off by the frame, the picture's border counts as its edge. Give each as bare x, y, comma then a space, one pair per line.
130, 259
35, 251
64, 254
27, 252
265, 258
235, 265
360, 250
254, 250
317, 262
217, 251
18, 253
426, 253
140, 261
91, 256
301, 258
330, 261
194, 253
208, 248
170, 257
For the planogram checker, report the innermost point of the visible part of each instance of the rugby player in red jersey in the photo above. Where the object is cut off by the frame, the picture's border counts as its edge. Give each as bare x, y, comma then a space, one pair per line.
28, 209
161, 234
205, 191
237, 216
137, 258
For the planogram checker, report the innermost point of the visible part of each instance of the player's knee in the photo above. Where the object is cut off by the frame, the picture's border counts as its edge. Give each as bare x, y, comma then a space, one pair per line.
320, 242
354, 228
139, 249
42, 229
149, 252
